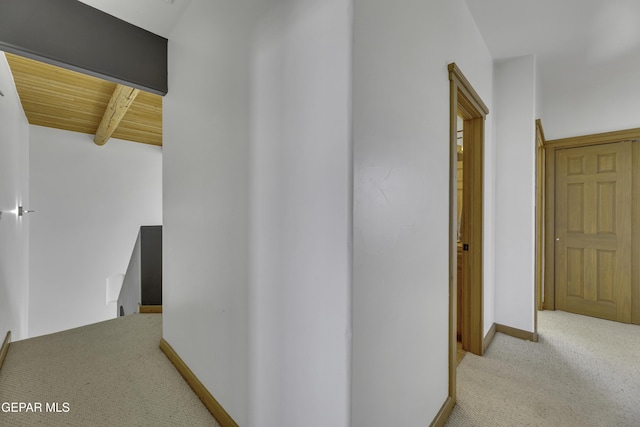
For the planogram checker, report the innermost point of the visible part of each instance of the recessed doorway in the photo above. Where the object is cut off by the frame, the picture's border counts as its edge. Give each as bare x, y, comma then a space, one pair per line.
467, 116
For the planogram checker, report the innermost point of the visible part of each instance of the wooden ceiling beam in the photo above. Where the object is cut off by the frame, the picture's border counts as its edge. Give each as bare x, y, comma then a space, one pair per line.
121, 100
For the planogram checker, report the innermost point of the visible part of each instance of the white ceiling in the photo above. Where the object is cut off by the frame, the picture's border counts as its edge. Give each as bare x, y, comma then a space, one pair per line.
576, 42
157, 16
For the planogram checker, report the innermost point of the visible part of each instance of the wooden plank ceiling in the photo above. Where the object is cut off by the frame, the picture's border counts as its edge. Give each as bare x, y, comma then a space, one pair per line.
58, 98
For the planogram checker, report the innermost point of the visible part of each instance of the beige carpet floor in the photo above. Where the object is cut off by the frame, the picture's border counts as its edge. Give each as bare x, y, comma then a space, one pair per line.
110, 374
584, 372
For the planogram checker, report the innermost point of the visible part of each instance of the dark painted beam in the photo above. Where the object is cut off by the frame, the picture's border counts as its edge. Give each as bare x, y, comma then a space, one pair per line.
79, 37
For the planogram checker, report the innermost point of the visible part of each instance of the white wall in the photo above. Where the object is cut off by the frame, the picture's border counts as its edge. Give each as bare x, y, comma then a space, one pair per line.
14, 190
515, 114
206, 197
401, 202
90, 202
257, 207
300, 216
608, 106
256, 295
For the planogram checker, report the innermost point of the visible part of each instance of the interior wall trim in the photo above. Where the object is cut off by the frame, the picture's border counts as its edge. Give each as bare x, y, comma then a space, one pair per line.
5, 348
486, 342
444, 413
148, 309
516, 333
218, 412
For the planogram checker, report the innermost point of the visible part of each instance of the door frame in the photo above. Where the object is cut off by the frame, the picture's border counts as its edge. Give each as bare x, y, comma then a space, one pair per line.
464, 101
551, 147
540, 220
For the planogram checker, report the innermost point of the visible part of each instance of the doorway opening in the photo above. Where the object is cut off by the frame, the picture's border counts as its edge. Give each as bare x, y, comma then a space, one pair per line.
592, 231
467, 114
460, 350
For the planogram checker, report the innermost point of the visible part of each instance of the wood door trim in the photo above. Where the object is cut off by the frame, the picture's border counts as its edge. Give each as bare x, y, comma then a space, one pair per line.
540, 214
549, 230
464, 100
635, 234
595, 139
551, 147
472, 100
472, 296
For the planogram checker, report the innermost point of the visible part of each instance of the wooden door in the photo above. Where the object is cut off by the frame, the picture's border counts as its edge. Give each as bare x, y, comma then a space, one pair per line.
593, 231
